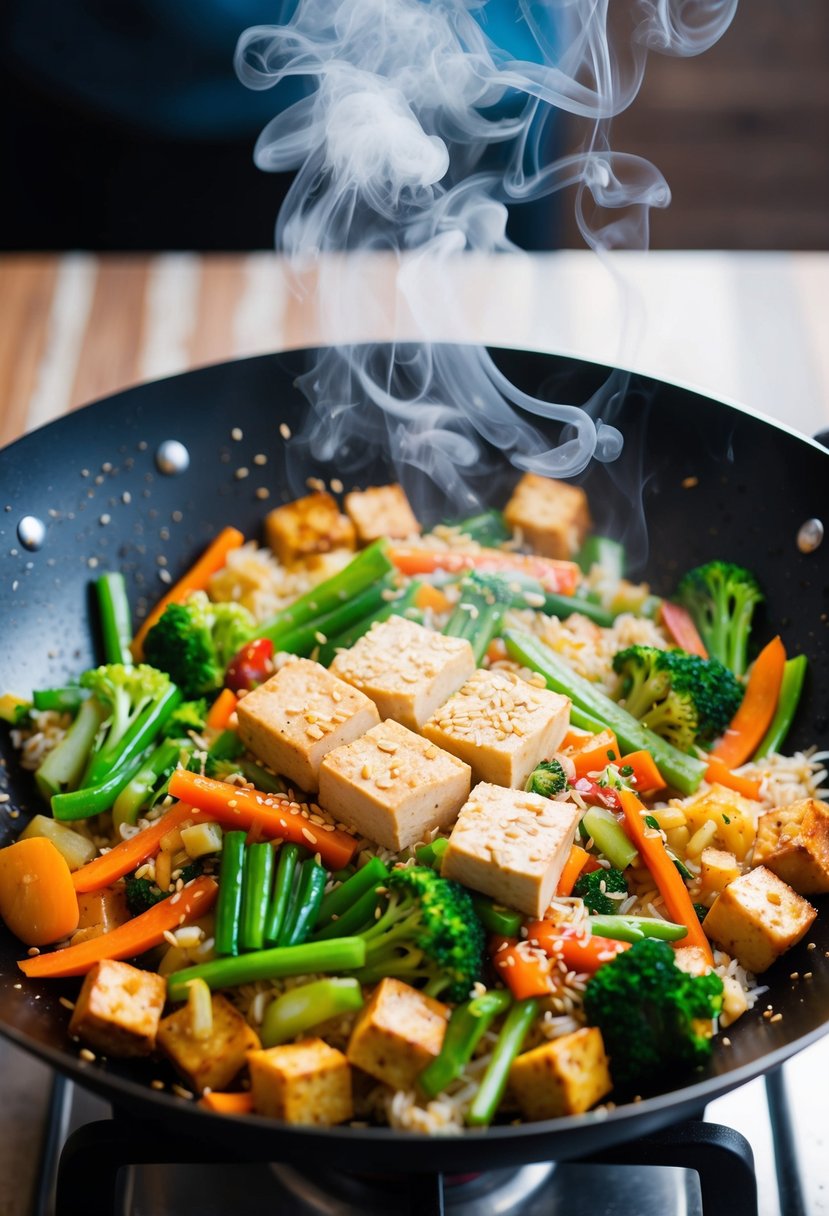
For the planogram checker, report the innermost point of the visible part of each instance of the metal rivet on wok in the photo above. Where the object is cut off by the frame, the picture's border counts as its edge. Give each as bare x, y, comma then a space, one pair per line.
172, 457
810, 536
31, 532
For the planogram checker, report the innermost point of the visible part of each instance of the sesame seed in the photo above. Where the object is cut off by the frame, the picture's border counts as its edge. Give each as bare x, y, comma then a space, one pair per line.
260, 458
778, 1017
156, 1084
386, 745
180, 1091
237, 433
67, 1004
309, 836
284, 430
241, 473
86, 1054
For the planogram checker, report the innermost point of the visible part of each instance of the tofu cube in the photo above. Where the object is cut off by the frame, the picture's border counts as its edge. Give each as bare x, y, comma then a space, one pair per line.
793, 842
501, 726
563, 1077
381, 511
552, 516
397, 1034
305, 1082
512, 846
306, 527
717, 869
406, 669
118, 1009
733, 815
393, 786
299, 715
209, 1063
757, 918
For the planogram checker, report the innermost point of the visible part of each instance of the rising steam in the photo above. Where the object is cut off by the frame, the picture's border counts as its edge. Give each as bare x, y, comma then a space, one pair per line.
417, 131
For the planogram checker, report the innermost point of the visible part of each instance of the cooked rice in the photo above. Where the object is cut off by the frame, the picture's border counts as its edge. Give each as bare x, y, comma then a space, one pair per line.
34, 742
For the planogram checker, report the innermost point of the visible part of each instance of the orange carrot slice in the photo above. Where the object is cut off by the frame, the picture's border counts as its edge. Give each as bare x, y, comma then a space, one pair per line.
37, 899
428, 596
719, 772
129, 940
227, 1104
196, 579
594, 753
573, 866
525, 972
584, 954
129, 854
753, 718
221, 710
557, 576
645, 775
679, 625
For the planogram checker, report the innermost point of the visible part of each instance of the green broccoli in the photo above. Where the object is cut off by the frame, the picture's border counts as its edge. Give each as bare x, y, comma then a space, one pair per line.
138, 700
428, 933
548, 779
188, 716
593, 888
196, 640
721, 598
655, 1018
679, 696
143, 894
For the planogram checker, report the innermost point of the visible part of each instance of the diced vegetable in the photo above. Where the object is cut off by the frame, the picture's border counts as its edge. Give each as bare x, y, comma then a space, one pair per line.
718, 772
227, 1103
495, 918
524, 971
75, 849
221, 710
37, 899
300, 1009
643, 772
609, 837
14, 708
595, 753
201, 839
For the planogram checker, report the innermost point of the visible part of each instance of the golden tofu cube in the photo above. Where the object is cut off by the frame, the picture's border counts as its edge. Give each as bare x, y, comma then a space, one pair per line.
793, 842
306, 527
393, 786
501, 726
733, 815
381, 511
717, 869
757, 918
212, 1062
118, 1009
511, 845
563, 1077
406, 669
552, 516
305, 1082
397, 1034
299, 715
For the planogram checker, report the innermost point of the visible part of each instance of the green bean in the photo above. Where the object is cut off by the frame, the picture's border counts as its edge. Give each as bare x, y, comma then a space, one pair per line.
341, 898
342, 954
794, 672
432, 854
299, 1009
66, 700
305, 904
356, 918
256, 895
495, 918
467, 1026
494, 1081
635, 928
95, 799
63, 767
289, 856
306, 637
609, 837
402, 605
229, 902
137, 792
116, 622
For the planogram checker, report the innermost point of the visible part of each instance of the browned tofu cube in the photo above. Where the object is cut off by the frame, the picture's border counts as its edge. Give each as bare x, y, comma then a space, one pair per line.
393, 786
100, 912
118, 1009
381, 511
563, 1077
501, 726
306, 527
397, 1034
793, 842
757, 918
212, 1062
552, 516
305, 1082
299, 715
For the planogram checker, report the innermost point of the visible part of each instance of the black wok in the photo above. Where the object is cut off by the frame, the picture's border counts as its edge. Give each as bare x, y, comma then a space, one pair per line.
718, 482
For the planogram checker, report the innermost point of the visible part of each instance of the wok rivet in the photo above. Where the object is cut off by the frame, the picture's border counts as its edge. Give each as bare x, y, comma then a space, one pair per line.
31, 532
172, 457
810, 536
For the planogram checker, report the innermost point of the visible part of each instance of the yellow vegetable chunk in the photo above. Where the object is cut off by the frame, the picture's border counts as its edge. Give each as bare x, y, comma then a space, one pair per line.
564, 1077
757, 918
305, 1082
37, 897
733, 815
118, 1009
100, 912
75, 848
202, 839
793, 842
717, 869
397, 1034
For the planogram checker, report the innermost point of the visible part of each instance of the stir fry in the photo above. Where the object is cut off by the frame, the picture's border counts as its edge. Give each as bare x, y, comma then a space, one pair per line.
430, 829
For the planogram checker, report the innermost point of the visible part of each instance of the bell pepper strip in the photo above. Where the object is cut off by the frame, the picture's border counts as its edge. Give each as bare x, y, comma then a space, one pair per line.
596, 794
791, 686
138, 935
609, 837
594, 753
635, 928
644, 775
668, 880
514, 1031
114, 614
196, 579
129, 854
250, 666
718, 772
37, 899
576, 949
234, 807
555, 575
221, 711
335, 957
300, 1009
573, 866
680, 628
525, 971
226, 1103
754, 717
467, 1026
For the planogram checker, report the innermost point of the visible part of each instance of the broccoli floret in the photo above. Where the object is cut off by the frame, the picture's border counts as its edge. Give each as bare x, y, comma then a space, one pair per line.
721, 598
593, 888
143, 894
654, 1017
428, 934
139, 700
189, 716
548, 779
196, 640
679, 696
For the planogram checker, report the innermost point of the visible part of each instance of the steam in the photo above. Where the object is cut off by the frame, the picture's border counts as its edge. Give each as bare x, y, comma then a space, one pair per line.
417, 131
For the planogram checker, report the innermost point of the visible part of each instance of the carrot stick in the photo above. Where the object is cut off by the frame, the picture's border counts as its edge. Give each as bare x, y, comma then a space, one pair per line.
129, 854
37, 899
679, 625
646, 775
221, 710
129, 940
719, 772
196, 579
227, 1104
525, 972
594, 753
753, 718
584, 954
668, 880
573, 866
556, 576
235, 807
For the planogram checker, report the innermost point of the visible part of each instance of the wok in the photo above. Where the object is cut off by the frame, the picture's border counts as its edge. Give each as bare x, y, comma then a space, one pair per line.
717, 482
